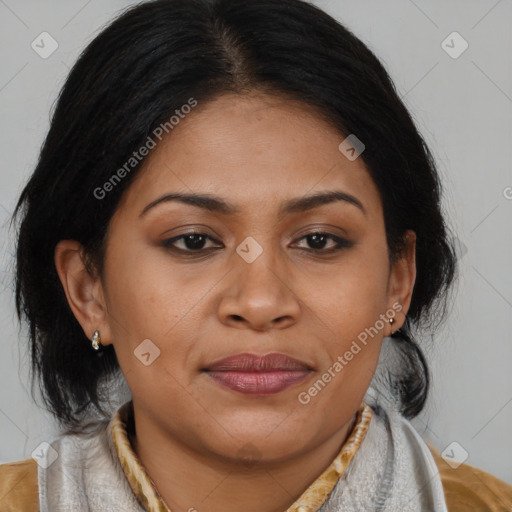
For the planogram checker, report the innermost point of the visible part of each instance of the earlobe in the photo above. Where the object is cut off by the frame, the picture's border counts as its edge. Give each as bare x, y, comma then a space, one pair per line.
83, 291
402, 279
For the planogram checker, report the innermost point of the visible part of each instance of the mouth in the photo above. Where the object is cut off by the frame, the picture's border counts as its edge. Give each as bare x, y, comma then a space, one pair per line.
258, 375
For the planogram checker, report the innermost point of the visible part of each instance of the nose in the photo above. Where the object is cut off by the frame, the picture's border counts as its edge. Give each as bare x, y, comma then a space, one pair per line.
259, 295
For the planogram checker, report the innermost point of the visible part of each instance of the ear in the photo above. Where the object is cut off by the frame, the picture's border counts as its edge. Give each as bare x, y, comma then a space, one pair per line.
84, 291
401, 282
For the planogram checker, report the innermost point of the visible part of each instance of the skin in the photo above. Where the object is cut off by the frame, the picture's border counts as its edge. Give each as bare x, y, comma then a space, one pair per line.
256, 152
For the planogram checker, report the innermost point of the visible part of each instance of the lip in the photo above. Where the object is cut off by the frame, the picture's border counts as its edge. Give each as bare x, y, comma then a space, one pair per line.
258, 375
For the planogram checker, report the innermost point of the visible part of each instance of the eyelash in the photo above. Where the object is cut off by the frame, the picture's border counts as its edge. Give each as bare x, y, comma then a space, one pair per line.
341, 243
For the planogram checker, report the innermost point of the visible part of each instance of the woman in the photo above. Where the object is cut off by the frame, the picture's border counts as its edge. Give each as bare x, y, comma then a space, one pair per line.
234, 213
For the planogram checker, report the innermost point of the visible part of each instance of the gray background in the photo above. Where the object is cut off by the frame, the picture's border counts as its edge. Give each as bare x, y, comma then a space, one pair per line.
462, 106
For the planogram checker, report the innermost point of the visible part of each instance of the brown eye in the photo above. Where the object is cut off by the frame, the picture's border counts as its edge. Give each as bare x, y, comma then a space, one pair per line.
319, 240
191, 242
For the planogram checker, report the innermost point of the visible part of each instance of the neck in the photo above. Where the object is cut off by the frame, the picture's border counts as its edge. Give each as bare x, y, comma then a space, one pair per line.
189, 480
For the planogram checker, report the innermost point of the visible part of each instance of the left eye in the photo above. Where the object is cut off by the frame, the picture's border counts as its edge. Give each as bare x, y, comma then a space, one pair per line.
318, 241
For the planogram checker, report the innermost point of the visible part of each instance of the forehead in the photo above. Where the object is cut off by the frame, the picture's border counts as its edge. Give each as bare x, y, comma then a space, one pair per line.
254, 150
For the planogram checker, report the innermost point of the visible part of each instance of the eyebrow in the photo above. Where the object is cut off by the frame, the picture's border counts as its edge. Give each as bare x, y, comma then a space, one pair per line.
218, 205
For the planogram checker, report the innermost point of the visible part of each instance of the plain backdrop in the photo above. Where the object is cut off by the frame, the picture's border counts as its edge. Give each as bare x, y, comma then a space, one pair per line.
462, 104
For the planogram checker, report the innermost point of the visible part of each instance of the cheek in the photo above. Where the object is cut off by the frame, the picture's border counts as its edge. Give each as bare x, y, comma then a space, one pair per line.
152, 307
351, 297
351, 338
347, 310
149, 313
144, 294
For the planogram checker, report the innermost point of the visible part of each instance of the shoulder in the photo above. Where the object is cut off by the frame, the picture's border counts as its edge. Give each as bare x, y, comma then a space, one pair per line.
18, 486
469, 488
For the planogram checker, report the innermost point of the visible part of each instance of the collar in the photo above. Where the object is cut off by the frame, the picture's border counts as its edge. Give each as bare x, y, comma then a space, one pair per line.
144, 489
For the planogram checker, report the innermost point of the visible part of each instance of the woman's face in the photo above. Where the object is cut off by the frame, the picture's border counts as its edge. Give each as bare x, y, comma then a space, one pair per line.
256, 280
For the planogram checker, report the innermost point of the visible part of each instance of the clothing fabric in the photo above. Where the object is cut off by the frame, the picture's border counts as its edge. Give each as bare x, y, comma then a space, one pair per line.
384, 466
394, 470
122, 429
466, 488
102, 472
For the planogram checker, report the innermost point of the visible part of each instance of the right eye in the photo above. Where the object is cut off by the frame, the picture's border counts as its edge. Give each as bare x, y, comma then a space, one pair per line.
193, 242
